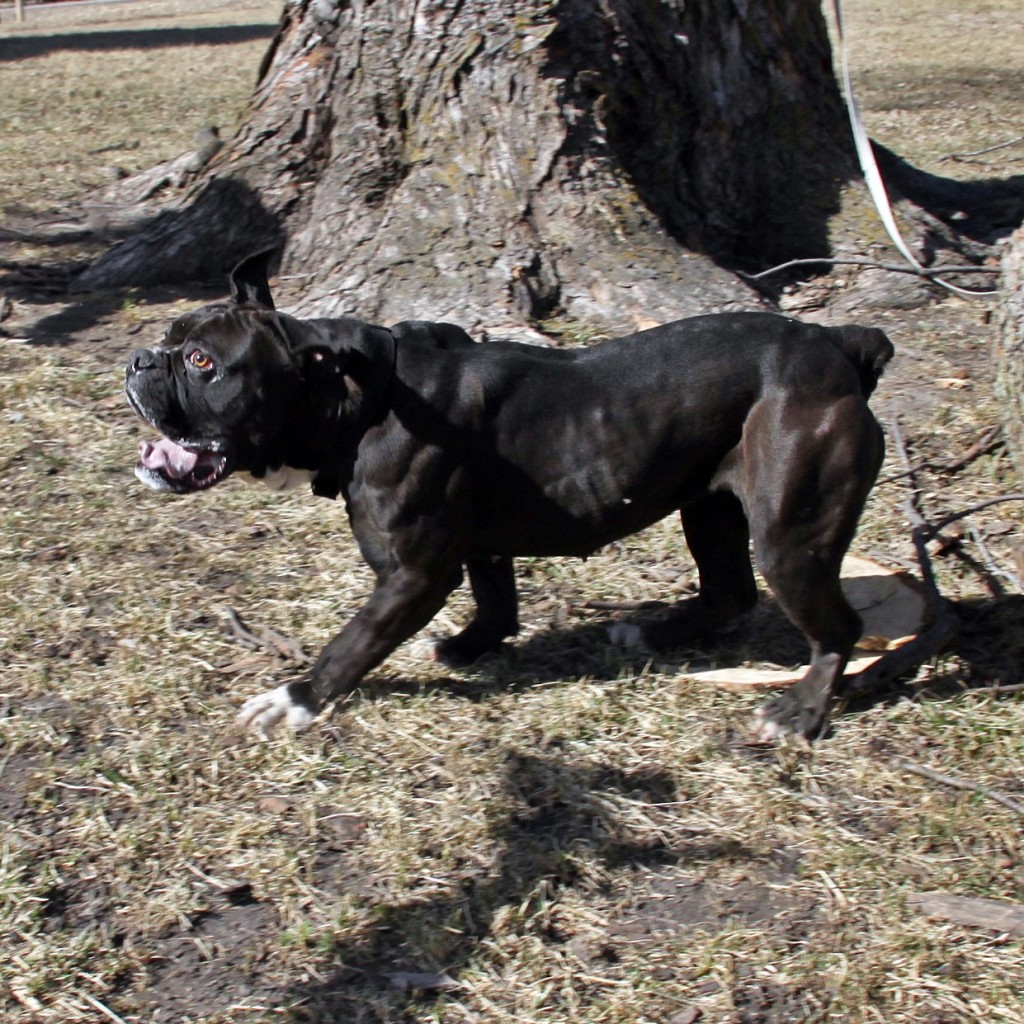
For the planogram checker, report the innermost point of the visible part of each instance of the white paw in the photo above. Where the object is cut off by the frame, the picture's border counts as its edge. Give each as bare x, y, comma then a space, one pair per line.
424, 648
263, 713
766, 730
628, 635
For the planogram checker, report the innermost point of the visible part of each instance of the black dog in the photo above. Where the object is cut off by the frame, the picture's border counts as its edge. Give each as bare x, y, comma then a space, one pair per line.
455, 456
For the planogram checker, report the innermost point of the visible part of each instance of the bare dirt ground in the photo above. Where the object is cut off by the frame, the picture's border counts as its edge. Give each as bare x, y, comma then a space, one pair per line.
567, 834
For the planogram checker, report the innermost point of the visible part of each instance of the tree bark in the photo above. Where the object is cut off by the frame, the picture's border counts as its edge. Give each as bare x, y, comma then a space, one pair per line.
1008, 349
503, 162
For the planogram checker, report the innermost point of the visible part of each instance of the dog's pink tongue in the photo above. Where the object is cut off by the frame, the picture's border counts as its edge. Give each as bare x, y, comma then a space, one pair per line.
167, 457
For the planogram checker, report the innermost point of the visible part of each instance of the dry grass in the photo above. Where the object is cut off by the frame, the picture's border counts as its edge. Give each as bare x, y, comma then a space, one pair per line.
939, 79
568, 834
116, 88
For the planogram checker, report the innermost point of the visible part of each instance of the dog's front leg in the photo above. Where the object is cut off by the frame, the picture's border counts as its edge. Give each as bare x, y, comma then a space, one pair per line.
403, 602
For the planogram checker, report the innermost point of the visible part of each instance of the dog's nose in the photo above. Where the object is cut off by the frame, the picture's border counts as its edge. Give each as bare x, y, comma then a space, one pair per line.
142, 359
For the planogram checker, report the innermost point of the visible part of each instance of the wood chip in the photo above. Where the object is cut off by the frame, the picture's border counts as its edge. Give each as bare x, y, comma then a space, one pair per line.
975, 913
421, 980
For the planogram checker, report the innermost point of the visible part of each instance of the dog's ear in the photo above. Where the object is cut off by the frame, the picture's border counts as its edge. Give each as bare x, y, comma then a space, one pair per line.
315, 349
320, 362
249, 285
324, 349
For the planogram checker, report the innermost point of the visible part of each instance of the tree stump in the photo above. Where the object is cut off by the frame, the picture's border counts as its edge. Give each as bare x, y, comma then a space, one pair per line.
497, 162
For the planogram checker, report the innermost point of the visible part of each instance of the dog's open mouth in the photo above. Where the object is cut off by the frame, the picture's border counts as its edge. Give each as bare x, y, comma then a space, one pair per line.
167, 466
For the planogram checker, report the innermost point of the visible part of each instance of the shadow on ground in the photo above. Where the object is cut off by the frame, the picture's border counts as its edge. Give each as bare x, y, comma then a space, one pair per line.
69, 276
50, 315
414, 951
22, 47
988, 650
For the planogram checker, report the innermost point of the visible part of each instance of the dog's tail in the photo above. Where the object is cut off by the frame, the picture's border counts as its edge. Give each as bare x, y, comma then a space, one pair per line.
868, 349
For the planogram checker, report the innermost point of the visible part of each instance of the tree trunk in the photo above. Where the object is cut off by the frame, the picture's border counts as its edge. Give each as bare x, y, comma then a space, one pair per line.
1009, 350
502, 162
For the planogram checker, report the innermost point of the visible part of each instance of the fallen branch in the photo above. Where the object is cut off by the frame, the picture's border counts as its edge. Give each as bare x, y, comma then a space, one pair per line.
989, 442
895, 268
944, 622
955, 783
919, 527
269, 639
982, 152
934, 528
999, 688
103, 1008
923, 530
976, 913
598, 605
995, 570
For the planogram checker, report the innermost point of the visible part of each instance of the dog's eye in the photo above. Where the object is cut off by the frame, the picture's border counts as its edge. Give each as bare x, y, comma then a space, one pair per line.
200, 360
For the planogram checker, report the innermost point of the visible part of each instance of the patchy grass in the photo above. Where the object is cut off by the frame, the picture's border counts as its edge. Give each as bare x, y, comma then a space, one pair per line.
96, 92
568, 833
939, 80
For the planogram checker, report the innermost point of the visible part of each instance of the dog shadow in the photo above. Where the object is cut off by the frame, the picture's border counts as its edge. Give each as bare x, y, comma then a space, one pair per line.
557, 817
567, 650
987, 650
553, 819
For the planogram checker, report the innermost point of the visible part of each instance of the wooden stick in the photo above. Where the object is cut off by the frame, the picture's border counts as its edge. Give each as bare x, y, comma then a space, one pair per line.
988, 442
918, 524
934, 528
995, 570
105, 1010
982, 152
977, 913
599, 605
945, 623
893, 267
1000, 688
955, 783
269, 639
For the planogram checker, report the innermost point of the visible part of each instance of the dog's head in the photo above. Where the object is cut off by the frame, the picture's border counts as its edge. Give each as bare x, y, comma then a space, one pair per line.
237, 386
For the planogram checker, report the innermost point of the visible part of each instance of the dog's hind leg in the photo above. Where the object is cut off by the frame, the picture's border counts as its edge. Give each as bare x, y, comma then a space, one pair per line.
807, 588
804, 503
492, 580
718, 537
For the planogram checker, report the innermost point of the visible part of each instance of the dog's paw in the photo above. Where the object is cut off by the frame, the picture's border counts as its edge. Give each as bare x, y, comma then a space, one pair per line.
782, 719
263, 713
767, 729
424, 648
627, 635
